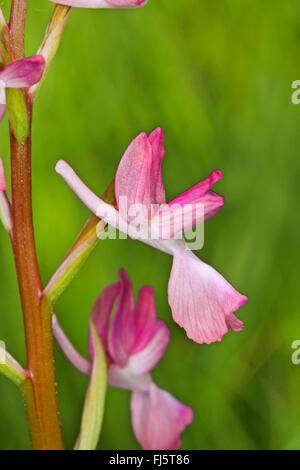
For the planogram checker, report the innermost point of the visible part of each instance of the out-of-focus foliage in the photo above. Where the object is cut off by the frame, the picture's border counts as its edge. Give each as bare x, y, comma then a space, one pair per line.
216, 75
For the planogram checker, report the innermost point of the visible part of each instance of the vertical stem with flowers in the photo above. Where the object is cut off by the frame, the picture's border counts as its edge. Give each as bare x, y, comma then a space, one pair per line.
39, 388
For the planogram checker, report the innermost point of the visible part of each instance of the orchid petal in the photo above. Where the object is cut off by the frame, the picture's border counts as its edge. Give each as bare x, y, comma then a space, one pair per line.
171, 220
133, 177
145, 318
156, 139
23, 73
122, 329
198, 190
102, 3
77, 360
202, 301
100, 208
146, 359
101, 312
158, 419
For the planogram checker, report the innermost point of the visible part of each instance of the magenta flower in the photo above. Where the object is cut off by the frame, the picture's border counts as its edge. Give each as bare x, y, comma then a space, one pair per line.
20, 74
102, 3
134, 341
202, 301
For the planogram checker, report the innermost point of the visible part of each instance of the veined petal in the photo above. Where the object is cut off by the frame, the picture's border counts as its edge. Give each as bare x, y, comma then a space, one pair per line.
122, 329
198, 190
156, 139
145, 318
133, 177
202, 301
177, 218
23, 73
145, 360
101, 312
158, 419
2, 177
103, 3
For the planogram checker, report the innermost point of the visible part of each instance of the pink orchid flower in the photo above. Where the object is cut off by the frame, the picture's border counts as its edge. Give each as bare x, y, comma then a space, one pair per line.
134, 341
102, 3
21, 73
201, 300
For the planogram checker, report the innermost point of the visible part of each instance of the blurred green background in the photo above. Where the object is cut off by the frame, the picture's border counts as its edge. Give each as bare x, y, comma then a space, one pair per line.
216, 75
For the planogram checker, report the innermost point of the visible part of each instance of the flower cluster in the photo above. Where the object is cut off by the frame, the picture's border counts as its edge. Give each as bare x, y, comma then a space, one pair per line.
130, 338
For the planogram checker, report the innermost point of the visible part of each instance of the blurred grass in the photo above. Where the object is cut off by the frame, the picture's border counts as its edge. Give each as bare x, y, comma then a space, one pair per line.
216, 75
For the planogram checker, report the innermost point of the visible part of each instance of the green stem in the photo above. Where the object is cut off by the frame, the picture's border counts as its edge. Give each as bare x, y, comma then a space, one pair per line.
39, 389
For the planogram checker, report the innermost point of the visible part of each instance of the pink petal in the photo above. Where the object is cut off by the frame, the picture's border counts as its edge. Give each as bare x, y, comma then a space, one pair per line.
23, 72
101, 312
202, 301
2, 177
156, 139
94, 203
81, 363
146, 359
145, 318
177, 218
122, 329
198, 190
158, 419
133, 177
102, 3
100, 208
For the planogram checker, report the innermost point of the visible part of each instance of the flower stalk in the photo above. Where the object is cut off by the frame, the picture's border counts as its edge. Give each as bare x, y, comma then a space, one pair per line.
39, 389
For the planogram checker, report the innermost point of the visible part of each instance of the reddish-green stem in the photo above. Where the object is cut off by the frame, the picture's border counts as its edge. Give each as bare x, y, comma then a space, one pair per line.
39, 389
